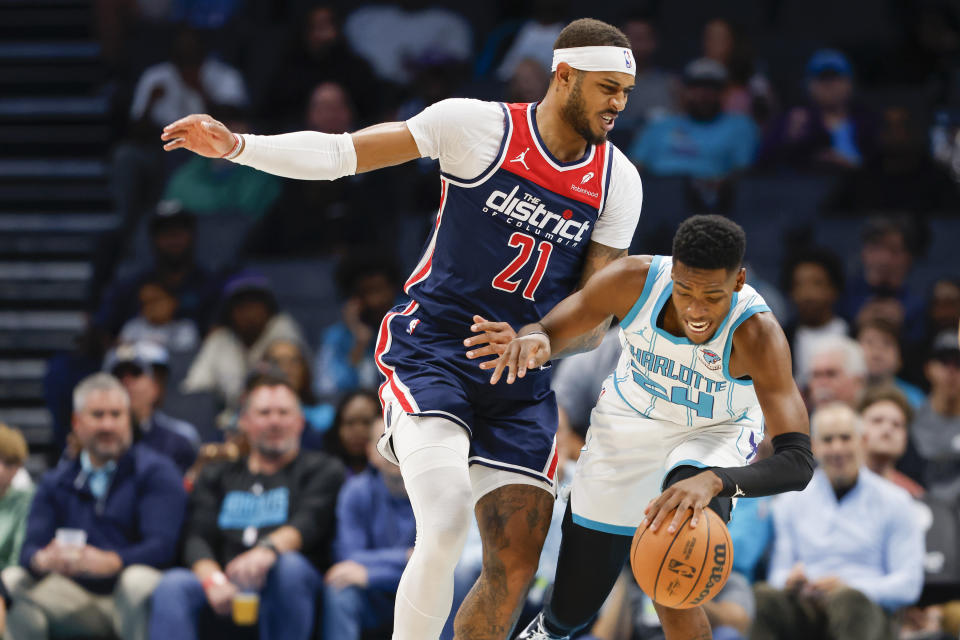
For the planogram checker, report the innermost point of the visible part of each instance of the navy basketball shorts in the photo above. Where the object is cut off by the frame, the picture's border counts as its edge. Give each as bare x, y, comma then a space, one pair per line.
427, 373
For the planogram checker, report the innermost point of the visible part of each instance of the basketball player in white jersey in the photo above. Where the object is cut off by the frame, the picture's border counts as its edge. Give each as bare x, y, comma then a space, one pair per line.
704, 371
535, 200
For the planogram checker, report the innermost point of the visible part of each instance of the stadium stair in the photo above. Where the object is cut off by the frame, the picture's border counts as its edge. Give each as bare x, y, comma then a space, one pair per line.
54, 194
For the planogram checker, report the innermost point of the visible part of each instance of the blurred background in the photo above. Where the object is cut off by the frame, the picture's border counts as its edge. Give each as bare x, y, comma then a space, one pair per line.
829, 130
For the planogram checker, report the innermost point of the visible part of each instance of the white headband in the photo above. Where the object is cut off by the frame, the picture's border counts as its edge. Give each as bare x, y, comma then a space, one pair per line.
596, 59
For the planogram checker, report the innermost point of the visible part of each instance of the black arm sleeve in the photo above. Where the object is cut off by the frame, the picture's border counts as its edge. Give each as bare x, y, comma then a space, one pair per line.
788, 469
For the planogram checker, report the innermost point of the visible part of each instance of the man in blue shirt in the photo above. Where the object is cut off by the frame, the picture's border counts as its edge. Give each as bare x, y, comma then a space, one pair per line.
703, 142
120, 505
848, 550
375, 535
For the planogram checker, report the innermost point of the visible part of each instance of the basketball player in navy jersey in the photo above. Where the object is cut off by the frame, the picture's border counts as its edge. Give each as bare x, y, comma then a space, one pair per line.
534, 201
705, 370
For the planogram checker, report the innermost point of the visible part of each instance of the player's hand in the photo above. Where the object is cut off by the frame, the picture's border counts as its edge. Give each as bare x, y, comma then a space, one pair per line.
691, 493
495, 335
199, 133
523, 353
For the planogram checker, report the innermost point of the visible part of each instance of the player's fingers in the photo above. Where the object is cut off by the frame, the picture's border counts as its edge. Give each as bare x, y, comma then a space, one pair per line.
478, 318
174, 144
489, 350
697, 512
660, 511
182, 122
498, 371
512, 366
490, 327
678, 517
478, 339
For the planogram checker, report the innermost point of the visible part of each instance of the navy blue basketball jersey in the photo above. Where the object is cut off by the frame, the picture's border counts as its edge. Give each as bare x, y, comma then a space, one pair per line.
510, 243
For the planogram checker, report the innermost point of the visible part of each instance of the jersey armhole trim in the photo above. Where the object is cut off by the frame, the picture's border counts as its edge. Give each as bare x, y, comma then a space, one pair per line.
497, 160
652, 274
747, 314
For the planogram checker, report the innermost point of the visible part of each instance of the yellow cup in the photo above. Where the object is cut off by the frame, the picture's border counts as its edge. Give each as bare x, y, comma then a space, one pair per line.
246, 609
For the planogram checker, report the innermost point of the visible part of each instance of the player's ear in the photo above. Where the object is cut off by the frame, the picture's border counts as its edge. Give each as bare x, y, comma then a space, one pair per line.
741, 279
564, 74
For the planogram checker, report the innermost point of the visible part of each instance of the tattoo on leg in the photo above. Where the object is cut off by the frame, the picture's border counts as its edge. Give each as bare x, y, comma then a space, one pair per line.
513, 523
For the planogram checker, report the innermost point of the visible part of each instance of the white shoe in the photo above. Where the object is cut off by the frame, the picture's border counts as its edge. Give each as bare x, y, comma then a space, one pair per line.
536, 631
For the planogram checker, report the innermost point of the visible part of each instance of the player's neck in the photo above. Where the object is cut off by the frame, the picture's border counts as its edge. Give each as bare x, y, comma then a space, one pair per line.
561, 139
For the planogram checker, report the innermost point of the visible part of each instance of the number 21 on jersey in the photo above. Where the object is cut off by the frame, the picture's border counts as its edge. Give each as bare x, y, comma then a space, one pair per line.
526, 244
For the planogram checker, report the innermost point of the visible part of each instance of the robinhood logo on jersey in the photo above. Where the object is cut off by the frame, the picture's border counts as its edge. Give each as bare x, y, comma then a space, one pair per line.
529, 213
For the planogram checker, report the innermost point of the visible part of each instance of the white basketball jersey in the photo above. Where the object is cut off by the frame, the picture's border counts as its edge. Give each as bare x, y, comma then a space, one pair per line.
669, 378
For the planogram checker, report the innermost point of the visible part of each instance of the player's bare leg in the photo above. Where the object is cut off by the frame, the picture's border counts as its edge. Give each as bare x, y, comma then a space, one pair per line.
513, 523
684, 624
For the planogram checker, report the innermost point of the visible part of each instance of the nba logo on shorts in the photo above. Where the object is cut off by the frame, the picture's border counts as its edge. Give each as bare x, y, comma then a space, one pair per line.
413, 325
711, 359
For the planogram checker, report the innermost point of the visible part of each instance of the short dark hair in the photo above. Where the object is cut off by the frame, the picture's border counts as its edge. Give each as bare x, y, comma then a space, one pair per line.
877, 227
709, 242
588, 32
828, 260
265, 377
885, 392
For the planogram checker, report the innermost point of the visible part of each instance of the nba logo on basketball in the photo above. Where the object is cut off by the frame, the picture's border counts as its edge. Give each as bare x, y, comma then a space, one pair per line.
711, 359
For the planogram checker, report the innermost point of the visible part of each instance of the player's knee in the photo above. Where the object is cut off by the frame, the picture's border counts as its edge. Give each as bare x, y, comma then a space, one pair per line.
453, 506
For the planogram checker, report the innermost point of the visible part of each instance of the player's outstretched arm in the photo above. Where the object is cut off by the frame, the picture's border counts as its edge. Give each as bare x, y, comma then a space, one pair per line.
305, 155
611, 291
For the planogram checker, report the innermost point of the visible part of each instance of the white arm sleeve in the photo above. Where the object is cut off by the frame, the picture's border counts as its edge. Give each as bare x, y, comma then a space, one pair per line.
464, 134
304, 155
621, 211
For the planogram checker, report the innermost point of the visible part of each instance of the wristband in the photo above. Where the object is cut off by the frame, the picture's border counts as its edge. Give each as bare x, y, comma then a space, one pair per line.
267, 543
235, 151
216, 578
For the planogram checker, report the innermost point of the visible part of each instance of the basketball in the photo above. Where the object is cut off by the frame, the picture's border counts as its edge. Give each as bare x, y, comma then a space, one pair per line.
686, 568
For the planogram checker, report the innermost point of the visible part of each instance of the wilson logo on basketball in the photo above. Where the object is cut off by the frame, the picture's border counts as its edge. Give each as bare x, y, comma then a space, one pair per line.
716, 573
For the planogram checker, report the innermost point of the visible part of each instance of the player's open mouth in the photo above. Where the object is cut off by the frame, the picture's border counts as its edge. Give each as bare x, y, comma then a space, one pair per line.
698, 327
607, 121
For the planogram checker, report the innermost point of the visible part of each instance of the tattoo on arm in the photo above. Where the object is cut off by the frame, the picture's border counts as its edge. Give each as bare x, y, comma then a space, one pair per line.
598, 256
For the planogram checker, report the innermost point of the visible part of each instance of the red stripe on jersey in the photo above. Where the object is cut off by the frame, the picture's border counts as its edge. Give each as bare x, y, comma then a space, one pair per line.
426, 262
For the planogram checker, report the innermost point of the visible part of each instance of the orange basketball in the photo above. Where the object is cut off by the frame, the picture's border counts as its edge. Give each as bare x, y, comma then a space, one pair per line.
686, 568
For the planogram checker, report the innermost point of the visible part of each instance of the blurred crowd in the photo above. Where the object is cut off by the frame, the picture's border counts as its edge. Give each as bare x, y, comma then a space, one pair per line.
209, 446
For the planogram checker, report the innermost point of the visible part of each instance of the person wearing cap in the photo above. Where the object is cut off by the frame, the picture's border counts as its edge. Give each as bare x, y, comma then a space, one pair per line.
100, 528
143, 368
250, 320
523, 185
831, 130
172, 230
936, 426
702, 141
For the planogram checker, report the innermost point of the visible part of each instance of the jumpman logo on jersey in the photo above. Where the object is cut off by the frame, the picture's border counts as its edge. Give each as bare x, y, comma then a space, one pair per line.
522, 159
640, 333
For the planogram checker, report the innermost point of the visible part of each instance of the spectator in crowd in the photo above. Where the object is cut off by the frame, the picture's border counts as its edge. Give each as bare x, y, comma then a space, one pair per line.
250, 320
703, 141
318, 55
749, 92
345, 361
529, 81
943, 311
880, 341
292, 358
349, 437
578, 378
100, 528
209, 186
845, 556
14, 501
375, 536
143, 369
886, 414
535, 37
813, 279
391, 36
654, 93
831, 131
320, 215
263, 523
158, 322
936, 426
838, 371
172, 241
888, 246
190, 82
